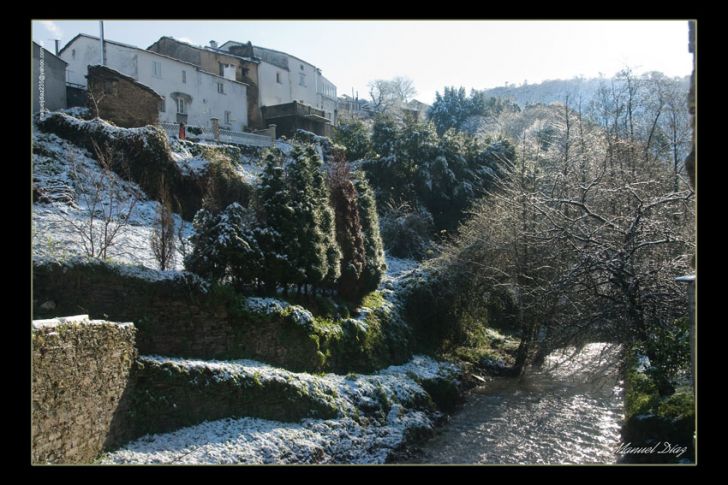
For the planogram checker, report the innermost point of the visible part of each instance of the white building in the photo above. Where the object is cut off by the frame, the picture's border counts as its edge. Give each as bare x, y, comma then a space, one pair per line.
283, 78
190, 95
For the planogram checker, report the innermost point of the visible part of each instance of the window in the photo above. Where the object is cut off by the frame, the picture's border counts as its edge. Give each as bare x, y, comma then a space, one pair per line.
221, 88
278, 78
157, 68
110, 87
73, 53
163, 105
222, 68
228, 117
181, 107
302, 67
184, 77
302, 79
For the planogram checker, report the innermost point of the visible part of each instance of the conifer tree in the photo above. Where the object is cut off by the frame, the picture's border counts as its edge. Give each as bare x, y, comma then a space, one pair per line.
326, 218
348, 227
275, 237
225, 246
308, 246
375, 265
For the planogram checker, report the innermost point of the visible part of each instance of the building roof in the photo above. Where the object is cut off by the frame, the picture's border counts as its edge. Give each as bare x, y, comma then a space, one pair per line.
114, 72
148, 52
204, 48
265, 49
49, 52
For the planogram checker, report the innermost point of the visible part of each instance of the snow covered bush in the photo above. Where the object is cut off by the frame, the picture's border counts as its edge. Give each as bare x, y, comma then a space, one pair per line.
225, 246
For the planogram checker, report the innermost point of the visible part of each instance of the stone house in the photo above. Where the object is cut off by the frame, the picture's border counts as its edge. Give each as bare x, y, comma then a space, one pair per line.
48, 80
121, 99
190, 94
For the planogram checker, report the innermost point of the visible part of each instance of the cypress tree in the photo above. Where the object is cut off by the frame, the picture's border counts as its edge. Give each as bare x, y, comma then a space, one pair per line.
275, 238
375, 265
326, 218
348, 228
308, 245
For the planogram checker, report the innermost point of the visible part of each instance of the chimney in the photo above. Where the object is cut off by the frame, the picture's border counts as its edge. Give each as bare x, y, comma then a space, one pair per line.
103, 54
213, 44
57, 41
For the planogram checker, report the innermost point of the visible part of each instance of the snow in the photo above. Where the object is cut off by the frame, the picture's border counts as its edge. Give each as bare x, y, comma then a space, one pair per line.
267, 306
53, 233
259, 441
363, 432
423, 367
398, 268
76, 319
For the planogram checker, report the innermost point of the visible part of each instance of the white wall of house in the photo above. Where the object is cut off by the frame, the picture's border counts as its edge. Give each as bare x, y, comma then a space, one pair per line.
301, 82
274, 86
327, 99
205, 95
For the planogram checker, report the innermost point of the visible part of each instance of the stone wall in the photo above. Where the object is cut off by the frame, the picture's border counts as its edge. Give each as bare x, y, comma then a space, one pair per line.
176, 314
120, 99
80, 372
173, 316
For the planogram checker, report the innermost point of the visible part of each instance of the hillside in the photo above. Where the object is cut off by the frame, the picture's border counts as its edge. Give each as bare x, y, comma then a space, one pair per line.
556, 90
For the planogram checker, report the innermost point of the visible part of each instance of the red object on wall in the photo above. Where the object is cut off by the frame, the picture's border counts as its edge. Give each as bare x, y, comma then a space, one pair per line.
181, 131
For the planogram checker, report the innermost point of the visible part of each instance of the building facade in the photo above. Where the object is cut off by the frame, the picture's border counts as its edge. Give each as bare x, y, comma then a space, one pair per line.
189, 94
49, 83
284, 79
211, 59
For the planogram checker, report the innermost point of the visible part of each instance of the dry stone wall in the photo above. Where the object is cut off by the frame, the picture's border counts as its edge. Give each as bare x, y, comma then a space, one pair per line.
80, 375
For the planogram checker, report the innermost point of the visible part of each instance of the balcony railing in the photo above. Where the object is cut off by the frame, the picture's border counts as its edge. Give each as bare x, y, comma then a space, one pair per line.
226, 136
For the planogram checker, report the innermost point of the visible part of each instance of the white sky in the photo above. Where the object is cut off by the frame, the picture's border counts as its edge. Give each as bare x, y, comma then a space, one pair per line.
434, 54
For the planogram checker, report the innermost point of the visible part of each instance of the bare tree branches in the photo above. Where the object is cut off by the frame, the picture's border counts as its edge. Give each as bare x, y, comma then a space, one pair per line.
106, 206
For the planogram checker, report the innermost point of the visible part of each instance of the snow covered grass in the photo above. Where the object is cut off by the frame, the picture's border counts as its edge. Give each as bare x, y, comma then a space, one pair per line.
377, 414
195, 158
258, 441
61, 168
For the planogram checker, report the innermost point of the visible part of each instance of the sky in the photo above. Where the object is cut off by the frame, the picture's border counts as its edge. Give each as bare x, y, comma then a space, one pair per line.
434, 54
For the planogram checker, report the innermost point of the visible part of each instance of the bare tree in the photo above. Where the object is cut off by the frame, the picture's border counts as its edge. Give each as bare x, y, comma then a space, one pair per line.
587, 241
162, 239
390, 95
105, 204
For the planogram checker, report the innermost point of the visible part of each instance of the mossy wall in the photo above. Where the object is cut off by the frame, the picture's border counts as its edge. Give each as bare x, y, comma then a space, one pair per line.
181, 316
169, 396
80, 375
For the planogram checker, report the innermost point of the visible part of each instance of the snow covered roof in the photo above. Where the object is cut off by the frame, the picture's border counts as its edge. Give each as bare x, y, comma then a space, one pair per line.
205, 48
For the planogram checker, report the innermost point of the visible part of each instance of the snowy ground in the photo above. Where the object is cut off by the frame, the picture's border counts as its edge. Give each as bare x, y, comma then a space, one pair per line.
349, 438
68, 174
